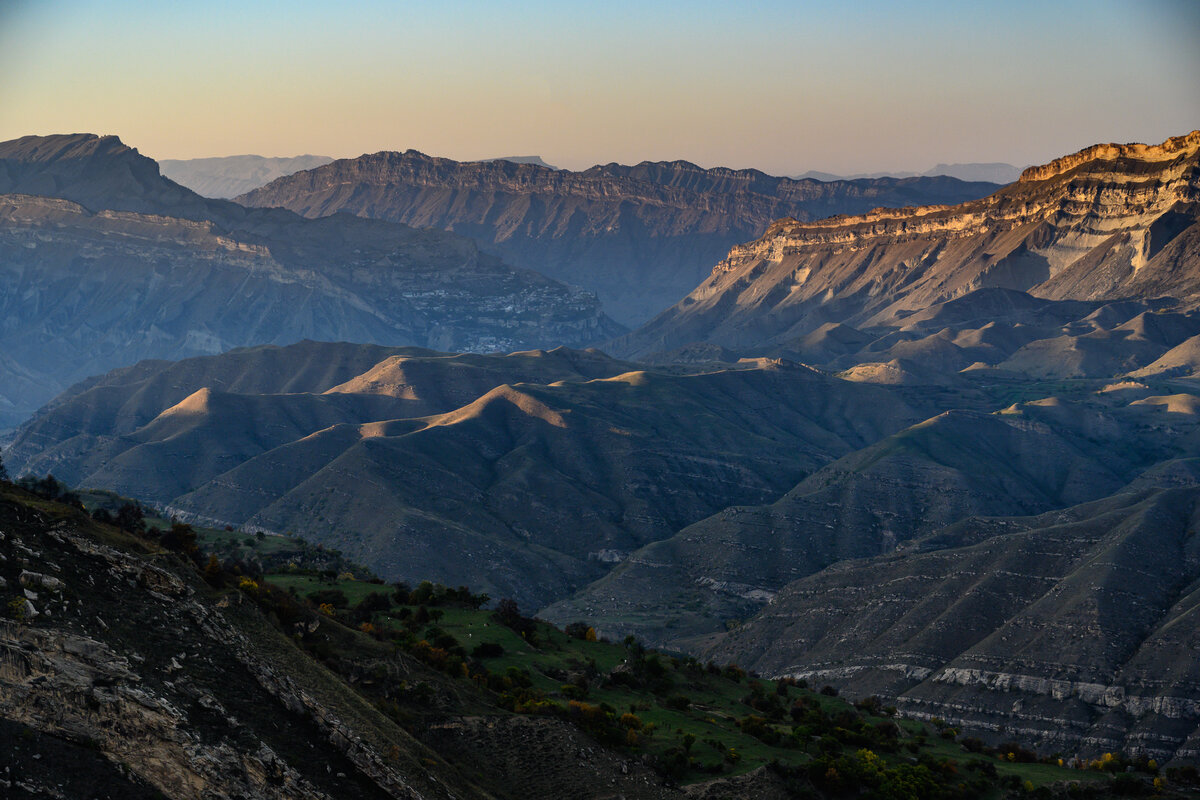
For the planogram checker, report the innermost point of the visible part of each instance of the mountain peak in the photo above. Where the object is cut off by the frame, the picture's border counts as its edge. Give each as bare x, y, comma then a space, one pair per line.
98, 172
1169, 149
56, 147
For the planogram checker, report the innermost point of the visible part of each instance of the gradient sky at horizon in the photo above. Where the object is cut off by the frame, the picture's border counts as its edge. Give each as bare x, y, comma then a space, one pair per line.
780, 86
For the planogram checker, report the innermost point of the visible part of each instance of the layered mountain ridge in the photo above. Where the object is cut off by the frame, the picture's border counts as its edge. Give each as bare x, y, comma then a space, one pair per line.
992, 435
639, 236
1111, 222
1068, 627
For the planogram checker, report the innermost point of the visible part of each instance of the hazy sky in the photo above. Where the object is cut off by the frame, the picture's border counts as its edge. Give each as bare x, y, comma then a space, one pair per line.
782, 86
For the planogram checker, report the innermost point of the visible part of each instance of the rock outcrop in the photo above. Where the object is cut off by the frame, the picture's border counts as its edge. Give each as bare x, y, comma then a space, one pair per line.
136, 662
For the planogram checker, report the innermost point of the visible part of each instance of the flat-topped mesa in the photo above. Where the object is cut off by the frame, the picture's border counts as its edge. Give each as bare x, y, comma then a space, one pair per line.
1171, 148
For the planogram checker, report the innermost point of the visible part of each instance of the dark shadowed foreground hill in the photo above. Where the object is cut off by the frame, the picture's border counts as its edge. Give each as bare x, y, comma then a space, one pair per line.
1030, 458
640, 236
136, 666
103, 262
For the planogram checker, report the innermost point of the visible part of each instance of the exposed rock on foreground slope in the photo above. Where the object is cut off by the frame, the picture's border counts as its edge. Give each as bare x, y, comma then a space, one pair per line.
124, 676
1111, 222
126, 660
640, 237
103, 262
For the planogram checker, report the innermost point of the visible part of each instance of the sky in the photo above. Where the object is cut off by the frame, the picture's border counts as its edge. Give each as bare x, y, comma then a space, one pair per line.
784, 87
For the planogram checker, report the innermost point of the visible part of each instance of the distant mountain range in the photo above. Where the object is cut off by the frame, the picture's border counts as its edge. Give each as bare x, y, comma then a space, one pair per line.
536, 160
104, 262
640, 237
992, 172
229, 176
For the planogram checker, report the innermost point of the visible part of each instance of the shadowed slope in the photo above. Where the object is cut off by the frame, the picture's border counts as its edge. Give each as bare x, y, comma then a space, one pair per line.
525, 474
532, 490
1029, 459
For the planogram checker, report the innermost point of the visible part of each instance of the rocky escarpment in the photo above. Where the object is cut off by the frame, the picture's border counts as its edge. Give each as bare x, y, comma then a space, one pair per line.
1110, 222
1075, 630
146, 269
639, 236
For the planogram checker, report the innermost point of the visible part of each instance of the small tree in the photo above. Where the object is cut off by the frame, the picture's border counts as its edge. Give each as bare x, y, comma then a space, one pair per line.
3, 471
181, 538
130, 517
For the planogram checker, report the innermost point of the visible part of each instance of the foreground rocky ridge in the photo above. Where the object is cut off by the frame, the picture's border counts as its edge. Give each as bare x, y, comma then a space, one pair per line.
640, 237
1111, 222
105, 263
126, 672
124, 675
134, 661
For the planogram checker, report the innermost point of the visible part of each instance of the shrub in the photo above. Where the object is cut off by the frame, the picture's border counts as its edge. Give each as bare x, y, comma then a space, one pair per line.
181, 538
678, 702
488, 650
18, 609
330, 597
509, 615
422, 594
870, 705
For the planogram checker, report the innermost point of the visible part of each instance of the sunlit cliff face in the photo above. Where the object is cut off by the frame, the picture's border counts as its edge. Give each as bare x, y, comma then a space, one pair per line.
1083, 227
